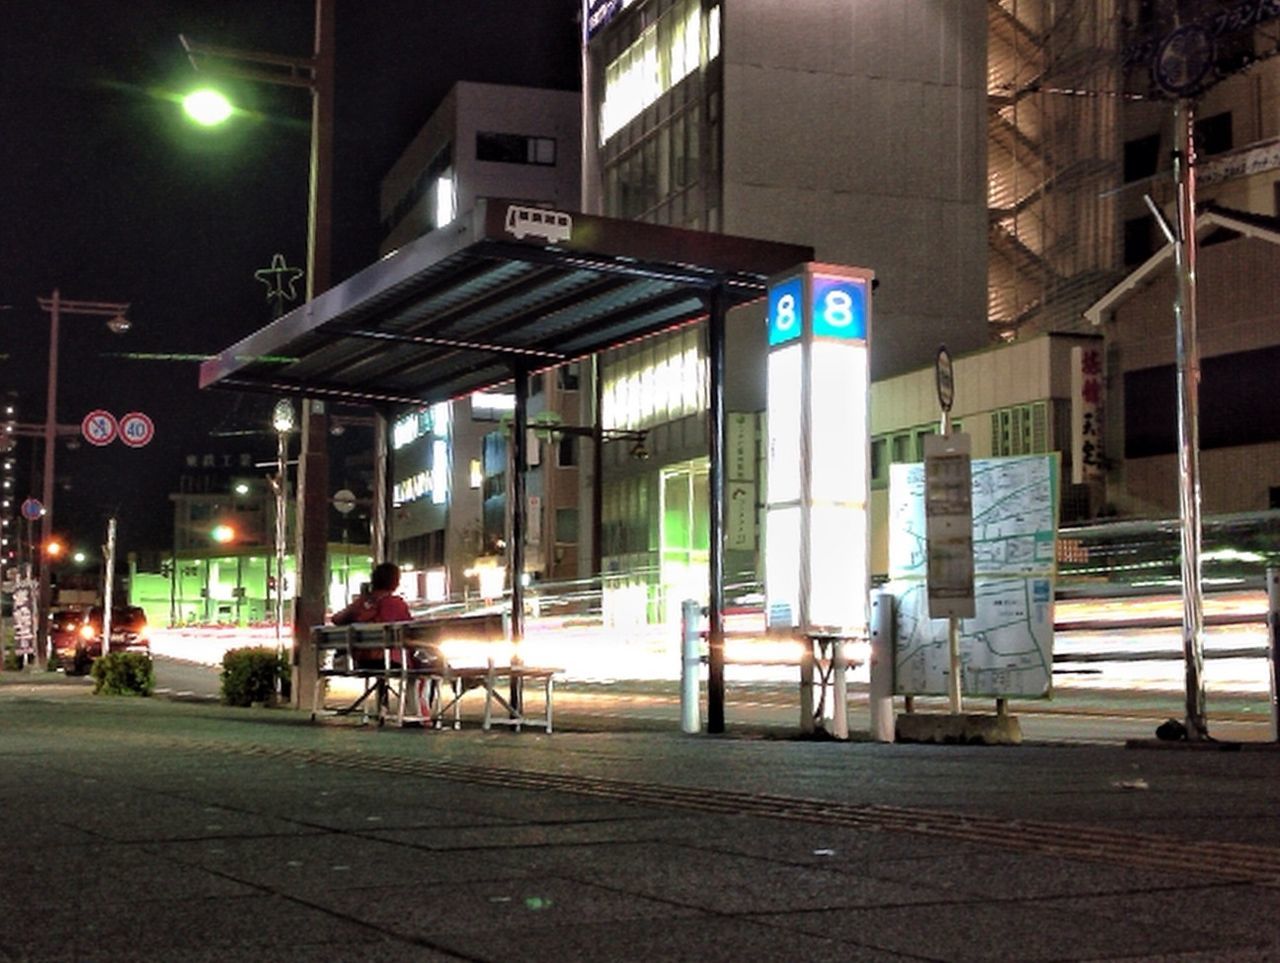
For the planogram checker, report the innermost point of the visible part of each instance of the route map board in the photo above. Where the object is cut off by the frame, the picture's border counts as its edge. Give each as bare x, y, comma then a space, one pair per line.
1007, 648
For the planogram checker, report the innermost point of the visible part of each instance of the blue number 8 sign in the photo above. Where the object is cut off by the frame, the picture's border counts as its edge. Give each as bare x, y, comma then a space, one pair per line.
839, 308
784, 311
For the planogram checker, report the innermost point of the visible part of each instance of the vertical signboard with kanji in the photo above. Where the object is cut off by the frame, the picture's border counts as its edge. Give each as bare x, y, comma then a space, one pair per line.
1087, 399
26, 615
740, 513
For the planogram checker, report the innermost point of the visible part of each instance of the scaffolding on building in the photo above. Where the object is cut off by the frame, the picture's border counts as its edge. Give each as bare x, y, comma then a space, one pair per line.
1054, 162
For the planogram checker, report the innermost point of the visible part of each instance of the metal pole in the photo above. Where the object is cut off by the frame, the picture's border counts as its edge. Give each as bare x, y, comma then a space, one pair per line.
282, 526
597, 474
690, 665
108, 588
1188, 351
381, 495
1273, 647
519, 503
311, 562
716, 430
955, 696
47, 487
881, 688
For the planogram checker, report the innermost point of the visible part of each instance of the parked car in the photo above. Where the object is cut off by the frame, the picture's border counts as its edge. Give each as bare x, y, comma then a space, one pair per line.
64, 633
128, 634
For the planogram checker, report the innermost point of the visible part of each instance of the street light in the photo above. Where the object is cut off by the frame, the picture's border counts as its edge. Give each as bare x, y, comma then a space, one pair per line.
207, 107
315, 74
117, 323
282, 421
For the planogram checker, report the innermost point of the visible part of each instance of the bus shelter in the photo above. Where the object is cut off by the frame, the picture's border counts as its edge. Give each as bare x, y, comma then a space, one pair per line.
504, 291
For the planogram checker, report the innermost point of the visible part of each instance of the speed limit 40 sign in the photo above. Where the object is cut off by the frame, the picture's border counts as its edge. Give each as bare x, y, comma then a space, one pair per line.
136, 429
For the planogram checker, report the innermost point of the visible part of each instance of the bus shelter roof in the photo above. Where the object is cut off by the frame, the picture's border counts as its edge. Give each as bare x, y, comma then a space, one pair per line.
507, 285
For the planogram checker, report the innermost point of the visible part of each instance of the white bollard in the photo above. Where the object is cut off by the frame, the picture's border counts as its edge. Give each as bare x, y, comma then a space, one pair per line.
881, 689
690, 665
839, 691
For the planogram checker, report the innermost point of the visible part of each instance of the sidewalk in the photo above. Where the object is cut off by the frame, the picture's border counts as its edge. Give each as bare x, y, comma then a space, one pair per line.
157, 830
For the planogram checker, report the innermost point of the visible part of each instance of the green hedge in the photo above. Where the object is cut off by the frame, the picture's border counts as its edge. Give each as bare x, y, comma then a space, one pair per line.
124, 673
250, 675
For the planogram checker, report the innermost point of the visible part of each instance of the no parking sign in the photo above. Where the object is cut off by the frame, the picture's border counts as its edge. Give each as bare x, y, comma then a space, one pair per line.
99, 427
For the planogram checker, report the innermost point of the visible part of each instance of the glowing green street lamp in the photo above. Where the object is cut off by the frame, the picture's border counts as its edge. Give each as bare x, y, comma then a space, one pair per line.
207, 107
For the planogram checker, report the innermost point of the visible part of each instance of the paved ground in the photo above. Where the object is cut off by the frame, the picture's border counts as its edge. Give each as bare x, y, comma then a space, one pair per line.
161, 830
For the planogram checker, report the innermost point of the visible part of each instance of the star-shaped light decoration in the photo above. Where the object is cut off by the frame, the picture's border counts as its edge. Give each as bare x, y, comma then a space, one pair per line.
280, 280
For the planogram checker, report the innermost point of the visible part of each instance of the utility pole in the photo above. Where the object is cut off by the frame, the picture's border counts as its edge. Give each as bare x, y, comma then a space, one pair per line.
55, 306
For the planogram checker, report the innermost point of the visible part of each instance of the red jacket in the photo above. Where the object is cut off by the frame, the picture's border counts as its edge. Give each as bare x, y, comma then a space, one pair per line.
375, 607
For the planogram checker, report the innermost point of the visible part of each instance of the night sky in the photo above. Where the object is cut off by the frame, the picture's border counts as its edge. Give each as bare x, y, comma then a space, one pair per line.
108, 194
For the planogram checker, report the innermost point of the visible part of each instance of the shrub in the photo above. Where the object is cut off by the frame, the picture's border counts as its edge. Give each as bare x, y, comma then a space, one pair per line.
251, 674
124, 673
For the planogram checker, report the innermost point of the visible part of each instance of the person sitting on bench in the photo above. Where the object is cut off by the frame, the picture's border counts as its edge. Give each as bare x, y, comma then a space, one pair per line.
379, 603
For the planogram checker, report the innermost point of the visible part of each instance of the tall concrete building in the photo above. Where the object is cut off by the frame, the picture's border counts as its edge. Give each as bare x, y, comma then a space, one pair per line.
856, 128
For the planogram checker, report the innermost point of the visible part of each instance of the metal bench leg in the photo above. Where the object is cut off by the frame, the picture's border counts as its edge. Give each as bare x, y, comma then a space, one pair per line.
488, 697
547, 696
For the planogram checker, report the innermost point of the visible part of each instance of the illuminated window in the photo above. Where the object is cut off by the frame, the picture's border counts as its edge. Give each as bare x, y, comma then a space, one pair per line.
446, 203
662, 56
658, 380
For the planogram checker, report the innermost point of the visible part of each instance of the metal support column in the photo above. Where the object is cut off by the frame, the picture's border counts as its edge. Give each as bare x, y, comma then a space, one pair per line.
519, 459
717, 306
1188, 353
311, 564
379, 536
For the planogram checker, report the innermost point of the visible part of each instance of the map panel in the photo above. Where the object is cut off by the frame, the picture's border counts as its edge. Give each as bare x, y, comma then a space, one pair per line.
1007, 648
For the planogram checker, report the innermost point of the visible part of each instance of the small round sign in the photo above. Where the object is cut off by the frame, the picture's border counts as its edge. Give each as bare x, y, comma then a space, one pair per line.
946, 379
344, 500
99, 427
136, 429
32, 508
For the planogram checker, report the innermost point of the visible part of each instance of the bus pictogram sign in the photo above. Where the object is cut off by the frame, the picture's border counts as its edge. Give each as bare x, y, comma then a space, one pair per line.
136, 429
99, 427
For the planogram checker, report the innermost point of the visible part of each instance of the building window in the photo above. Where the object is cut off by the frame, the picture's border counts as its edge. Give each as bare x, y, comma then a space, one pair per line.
879, 462
1141, 157
920, 435
569, 376
900, 448
1020, 430
566, 525
1213, 134
1139, 240
567, 452
515, 149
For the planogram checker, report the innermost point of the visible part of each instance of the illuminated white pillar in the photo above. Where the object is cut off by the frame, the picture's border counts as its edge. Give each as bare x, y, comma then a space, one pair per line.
817, 550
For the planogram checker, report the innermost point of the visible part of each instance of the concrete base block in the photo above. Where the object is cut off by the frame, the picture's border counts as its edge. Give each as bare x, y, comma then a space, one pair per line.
965, 729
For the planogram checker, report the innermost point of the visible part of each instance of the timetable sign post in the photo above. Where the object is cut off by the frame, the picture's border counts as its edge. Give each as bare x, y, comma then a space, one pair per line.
817, 549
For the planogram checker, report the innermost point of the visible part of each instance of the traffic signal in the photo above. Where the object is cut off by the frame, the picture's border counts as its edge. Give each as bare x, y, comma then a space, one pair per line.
223, 534
54, 548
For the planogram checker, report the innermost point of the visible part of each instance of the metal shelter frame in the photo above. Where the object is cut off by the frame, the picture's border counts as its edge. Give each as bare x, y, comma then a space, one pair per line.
506, 290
